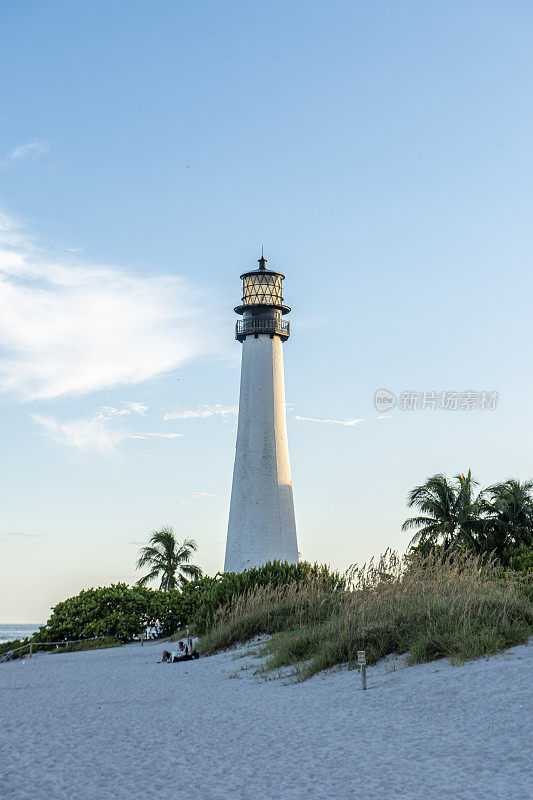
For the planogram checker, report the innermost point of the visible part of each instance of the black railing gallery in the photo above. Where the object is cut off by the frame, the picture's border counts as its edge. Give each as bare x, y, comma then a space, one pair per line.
258, 325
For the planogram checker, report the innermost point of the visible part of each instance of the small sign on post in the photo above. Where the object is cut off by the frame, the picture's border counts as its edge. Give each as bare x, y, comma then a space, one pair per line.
361, 659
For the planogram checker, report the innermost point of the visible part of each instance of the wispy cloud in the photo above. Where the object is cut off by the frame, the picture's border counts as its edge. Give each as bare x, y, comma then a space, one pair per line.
29, 535
348, 423
82, 434
125, 408
23, 151
71, 329
95, 433
190, 496
203, 411
153, 436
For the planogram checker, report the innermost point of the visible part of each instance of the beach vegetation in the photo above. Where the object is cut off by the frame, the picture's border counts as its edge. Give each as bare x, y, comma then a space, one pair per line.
454, 604
448, 511
507, 518
123, 612
201, 599
521, 559
452, 514
168, 560
118, 611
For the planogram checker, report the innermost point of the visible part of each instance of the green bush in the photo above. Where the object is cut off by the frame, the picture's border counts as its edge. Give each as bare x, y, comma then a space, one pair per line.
117, 611
521, 559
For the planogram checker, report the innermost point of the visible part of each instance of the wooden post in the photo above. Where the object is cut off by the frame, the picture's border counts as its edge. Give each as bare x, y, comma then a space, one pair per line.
31, 648
361, 659
141, 637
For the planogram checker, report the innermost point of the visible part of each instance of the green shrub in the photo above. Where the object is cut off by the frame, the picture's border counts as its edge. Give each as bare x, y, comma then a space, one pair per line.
116, 611
521, 559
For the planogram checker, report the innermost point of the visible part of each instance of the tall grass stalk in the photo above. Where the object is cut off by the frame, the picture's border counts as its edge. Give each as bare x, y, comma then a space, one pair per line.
427, 606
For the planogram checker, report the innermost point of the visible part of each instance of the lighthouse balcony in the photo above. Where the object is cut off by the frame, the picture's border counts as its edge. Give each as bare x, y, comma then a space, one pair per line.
256, 325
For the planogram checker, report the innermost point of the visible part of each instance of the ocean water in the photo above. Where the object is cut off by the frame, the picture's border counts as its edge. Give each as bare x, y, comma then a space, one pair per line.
16, 631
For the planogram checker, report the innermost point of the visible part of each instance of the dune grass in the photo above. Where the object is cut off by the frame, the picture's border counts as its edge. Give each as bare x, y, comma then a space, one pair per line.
427, 606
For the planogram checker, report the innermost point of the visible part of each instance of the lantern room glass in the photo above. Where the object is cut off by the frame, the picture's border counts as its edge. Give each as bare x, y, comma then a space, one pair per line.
262, 289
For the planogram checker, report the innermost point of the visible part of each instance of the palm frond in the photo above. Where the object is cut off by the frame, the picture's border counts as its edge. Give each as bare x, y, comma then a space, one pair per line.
417, 522
191, 571
147, 578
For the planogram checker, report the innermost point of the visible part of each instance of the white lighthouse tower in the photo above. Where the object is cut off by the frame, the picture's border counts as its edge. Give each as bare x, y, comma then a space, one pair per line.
261, 519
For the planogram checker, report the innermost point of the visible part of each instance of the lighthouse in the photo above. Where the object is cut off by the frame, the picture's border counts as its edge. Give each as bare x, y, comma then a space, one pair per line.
261, 519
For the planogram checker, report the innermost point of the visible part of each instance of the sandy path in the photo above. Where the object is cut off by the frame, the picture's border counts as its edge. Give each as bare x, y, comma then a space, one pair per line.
115, 724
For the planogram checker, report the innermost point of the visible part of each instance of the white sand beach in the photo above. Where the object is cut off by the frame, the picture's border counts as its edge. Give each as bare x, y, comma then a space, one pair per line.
117, 724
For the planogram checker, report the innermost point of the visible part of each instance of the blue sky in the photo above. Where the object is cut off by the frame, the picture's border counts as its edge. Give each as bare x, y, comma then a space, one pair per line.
381, 154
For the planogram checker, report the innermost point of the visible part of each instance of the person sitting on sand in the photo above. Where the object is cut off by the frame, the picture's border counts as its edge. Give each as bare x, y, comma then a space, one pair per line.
194, 655
183, 654
178, 655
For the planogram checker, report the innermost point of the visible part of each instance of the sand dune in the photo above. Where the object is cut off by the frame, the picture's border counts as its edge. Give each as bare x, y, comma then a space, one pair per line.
116, 724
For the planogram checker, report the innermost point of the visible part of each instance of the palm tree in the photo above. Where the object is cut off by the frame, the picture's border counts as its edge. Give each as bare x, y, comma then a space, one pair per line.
450, 514
169, 560
508, 515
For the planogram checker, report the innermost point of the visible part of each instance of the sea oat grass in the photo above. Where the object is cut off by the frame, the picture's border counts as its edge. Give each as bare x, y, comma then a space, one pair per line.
429, 607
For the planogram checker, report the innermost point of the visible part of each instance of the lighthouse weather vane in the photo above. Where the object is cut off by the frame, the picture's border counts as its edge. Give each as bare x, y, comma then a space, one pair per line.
261, 520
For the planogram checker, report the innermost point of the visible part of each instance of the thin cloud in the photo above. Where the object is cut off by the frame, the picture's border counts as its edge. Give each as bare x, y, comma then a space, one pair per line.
348, 423
95, 434
67, 329
83, 434
190, 496
125, 408
203, 411
24, 151
154, 436
29, 535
